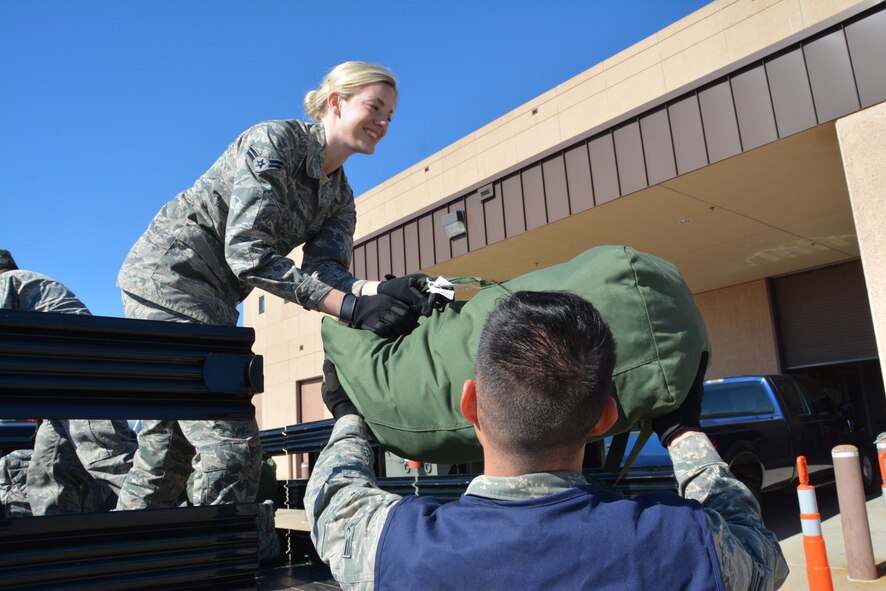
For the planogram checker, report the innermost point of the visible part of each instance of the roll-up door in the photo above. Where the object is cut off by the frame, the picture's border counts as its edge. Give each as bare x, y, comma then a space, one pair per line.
823, 316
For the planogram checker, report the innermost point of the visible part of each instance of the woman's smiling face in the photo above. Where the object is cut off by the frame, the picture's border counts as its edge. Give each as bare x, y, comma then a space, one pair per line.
365, 116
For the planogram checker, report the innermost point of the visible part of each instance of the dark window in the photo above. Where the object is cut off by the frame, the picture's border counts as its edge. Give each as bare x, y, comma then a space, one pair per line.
793, 398
261, 304
817, 397
730, 400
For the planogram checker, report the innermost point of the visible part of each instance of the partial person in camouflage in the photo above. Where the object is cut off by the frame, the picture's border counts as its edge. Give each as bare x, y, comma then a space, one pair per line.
532, 521
14, 483
34, 292
279, 185
77, 465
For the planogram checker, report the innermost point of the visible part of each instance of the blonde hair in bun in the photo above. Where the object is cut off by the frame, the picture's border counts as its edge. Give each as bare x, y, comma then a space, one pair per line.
346, 79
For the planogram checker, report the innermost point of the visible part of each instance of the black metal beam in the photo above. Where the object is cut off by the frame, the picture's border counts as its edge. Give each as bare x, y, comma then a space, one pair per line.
68, 366
213, 547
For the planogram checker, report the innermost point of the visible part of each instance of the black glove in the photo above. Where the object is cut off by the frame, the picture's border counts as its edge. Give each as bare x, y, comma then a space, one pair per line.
382, 314
688, 415
334, 396
412, 291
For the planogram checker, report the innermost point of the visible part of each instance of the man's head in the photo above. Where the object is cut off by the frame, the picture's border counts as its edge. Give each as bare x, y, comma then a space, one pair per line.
7, 263
543, 374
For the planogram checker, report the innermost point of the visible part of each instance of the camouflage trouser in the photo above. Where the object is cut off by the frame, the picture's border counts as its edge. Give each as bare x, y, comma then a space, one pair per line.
14, 483
79, 465
225, 455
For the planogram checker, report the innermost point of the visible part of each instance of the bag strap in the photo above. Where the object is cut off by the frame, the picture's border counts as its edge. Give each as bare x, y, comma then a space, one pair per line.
618, 446
616, 452
645, 433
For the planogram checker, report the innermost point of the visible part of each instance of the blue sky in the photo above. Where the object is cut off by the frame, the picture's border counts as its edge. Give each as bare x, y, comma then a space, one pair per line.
108, 109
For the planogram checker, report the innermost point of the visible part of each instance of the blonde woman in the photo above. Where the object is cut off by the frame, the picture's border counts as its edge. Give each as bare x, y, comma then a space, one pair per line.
279, 185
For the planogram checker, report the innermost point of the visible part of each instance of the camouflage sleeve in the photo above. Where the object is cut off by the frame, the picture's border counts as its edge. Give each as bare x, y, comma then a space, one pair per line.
29, 291
345, 509
328, 255
750, 557
255, 206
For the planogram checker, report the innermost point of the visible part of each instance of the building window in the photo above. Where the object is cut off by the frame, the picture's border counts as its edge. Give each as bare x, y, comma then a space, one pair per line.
261, 304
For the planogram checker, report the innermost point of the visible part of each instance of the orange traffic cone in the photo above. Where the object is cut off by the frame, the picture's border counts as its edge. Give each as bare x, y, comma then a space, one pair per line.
817, 569
882, 461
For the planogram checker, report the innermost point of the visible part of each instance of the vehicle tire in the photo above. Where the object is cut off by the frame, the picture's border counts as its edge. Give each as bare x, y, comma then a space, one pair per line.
868, 479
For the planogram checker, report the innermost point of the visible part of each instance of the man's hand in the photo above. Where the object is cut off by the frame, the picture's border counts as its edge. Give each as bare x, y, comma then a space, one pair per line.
412, 290
688, 415
382, 314
334, 396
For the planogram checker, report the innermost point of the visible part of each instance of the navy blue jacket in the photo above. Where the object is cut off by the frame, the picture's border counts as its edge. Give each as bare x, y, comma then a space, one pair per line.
581, 538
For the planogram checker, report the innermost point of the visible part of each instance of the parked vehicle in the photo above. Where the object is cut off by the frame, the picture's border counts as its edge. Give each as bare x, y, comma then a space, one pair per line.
761, 423
16, 434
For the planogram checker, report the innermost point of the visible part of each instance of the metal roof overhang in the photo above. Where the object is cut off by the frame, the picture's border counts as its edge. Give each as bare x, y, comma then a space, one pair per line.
781, 208
737, 179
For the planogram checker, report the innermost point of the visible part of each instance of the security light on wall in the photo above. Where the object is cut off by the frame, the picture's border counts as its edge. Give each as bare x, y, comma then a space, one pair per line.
454, 224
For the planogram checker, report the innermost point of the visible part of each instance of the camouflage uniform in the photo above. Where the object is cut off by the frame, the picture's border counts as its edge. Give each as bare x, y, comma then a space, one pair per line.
14, 483
347, 512
33, 292
77, 465
225, 455
203, 253
229, 233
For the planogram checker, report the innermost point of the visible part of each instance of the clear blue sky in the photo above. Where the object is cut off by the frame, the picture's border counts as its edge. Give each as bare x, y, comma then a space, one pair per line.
109, 108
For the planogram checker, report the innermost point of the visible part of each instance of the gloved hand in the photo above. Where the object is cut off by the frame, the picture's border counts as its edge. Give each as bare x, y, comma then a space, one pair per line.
382, 314
412, 291
334, 396
688, 415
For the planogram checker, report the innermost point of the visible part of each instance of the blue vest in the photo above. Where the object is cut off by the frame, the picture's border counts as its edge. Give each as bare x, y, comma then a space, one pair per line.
581, 538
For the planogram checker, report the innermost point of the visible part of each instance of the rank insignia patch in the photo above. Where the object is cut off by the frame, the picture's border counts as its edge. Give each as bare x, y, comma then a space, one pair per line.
260, 163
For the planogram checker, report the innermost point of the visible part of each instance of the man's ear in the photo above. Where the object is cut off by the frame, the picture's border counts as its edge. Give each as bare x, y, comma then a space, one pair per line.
607, 417
469, 401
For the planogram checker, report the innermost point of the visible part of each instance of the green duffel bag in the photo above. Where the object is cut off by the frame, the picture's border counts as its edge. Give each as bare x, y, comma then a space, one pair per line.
409, 388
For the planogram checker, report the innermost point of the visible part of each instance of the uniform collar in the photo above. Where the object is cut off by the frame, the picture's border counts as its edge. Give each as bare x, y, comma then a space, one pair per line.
526, 486
316, 154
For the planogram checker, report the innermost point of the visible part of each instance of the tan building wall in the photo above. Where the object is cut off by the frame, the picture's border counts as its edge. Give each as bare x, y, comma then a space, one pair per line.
863, 148
739, 322
707, 40
695, 47
288, 337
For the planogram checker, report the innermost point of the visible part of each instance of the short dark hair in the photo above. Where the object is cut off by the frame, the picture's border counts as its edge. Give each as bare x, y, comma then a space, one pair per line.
543, 370
7, 263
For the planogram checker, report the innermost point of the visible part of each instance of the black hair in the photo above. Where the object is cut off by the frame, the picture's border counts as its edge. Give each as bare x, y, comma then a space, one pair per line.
7, 263
543, 370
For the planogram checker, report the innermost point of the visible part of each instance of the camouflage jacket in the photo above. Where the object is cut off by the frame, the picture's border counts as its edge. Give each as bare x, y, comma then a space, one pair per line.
210, 246
33, 292
346, 511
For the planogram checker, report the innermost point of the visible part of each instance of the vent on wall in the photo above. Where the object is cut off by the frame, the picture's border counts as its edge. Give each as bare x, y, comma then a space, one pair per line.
454, 224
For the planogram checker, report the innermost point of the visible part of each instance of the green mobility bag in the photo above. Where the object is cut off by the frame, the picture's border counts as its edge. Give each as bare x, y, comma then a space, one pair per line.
409, 388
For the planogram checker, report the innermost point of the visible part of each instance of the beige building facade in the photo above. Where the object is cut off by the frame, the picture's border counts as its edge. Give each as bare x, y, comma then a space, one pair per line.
744, 143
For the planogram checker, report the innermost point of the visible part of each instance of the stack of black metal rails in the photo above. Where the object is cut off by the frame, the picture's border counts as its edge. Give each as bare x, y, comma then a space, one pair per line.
62, 367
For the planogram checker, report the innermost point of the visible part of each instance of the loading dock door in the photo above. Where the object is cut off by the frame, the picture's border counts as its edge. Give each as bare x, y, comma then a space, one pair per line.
823, 317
